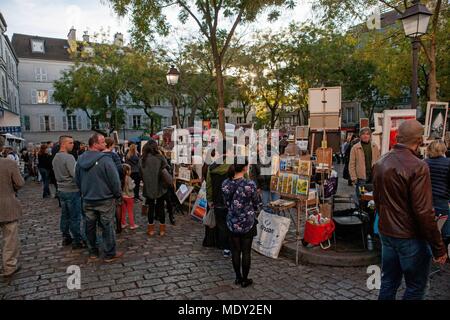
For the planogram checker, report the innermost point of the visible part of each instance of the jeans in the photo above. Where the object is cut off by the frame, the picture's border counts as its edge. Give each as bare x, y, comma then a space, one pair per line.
71, 215
101, 212
410, 258
45, 174
268, 197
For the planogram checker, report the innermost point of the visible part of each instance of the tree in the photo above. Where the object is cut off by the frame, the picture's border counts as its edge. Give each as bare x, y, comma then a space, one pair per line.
348, 10
208, 16
96, 82
146, 83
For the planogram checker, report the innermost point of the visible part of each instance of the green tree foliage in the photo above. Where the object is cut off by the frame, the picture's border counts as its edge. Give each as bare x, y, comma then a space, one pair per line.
211, 18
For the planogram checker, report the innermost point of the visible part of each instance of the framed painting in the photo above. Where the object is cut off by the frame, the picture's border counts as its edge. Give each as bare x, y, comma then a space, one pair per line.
301, 132
392, 119
436, 120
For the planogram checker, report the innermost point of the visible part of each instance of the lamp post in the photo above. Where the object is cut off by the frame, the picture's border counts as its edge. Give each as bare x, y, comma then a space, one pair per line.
415, 23
108, 115
173, 75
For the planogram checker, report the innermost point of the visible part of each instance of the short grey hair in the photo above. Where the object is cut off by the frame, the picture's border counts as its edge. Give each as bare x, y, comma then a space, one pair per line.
365, 130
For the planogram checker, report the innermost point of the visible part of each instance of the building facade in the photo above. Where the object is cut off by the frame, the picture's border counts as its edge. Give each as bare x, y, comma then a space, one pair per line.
42, 61
9, 85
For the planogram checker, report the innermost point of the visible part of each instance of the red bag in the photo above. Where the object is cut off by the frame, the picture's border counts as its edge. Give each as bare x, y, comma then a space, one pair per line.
316, 234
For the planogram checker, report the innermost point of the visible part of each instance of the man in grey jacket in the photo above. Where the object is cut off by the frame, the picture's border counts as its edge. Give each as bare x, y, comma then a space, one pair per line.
69, 193
97, 177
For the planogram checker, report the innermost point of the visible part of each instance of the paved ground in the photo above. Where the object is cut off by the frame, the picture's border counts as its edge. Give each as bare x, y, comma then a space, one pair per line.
172, 267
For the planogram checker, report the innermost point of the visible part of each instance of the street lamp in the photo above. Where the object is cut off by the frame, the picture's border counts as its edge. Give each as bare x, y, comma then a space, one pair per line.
415, 23
173, 75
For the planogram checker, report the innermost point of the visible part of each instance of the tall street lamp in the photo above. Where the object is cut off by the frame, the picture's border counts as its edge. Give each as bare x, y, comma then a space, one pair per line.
415, 23
173, 75
108, 117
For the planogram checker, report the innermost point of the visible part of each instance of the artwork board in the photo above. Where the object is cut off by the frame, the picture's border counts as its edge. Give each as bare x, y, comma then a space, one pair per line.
436, 120
391, 121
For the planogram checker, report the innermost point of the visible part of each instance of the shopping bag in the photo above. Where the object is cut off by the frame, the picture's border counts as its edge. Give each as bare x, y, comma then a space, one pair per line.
271, 231
209, 219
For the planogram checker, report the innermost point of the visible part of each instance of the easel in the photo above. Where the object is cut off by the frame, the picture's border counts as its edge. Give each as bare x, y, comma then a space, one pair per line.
300, 203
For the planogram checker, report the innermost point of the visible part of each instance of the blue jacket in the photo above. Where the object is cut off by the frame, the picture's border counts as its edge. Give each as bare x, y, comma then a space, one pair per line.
97, 177
440, 183
116, 158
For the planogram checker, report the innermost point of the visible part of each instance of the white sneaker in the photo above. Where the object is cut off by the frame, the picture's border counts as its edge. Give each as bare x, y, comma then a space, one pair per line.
134, 227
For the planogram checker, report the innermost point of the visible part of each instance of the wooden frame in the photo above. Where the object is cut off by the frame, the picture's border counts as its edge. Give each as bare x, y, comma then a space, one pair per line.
391, 120
436, 110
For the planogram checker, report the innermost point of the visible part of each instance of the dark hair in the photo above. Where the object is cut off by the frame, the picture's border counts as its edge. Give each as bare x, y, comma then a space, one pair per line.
239, 164
43, 149
94, 139
109, 142
151, 147
2, 142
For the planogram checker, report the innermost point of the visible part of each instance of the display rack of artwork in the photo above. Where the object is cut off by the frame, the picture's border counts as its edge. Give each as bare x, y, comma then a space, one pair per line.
436, 120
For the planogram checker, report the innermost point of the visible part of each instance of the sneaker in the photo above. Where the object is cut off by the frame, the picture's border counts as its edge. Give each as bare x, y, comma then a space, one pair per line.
134, 227
93, 257
246, 283
226, 253
18, 268
124, 226
66, 242
78, 246
119, 254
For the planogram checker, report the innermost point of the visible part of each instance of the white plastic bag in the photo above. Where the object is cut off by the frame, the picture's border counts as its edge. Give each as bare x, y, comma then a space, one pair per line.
272, 230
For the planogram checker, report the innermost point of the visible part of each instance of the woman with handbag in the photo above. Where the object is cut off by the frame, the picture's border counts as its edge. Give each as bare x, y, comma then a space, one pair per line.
153, 167
242, 201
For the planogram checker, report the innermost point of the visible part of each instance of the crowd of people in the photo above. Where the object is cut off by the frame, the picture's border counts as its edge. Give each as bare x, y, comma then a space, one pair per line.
98, 188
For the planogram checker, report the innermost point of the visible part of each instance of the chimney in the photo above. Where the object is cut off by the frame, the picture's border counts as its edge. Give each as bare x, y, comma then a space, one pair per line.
118, 39
72, 40
85, 37
72, 36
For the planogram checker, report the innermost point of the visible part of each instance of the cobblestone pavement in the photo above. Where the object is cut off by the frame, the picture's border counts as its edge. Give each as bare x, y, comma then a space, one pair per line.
172, 267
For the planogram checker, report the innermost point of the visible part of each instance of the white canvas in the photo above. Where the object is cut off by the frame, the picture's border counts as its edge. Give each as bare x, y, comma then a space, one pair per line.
436, 120
332, 96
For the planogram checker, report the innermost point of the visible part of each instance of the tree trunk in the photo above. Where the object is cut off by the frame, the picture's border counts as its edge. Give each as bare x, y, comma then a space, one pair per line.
221, 98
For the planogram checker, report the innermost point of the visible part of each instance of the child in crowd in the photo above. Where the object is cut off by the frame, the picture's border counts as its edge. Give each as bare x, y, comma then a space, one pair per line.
127, 197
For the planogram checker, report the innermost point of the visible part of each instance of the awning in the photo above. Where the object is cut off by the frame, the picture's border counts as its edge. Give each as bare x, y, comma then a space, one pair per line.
11, 136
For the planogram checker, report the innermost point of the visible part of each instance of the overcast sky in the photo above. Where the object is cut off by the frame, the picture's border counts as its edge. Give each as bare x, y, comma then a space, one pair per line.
54, 18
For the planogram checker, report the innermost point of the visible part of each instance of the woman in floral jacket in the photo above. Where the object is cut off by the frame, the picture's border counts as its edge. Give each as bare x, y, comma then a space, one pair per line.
242, 201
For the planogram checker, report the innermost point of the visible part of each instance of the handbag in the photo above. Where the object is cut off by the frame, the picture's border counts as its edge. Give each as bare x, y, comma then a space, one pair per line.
166, 178
209, 219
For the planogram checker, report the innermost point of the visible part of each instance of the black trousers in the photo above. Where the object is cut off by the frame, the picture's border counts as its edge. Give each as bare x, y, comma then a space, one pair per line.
136, 176
223, 235
156, 208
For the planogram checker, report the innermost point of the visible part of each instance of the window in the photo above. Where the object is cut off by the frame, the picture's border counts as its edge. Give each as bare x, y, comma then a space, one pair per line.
37, 46
4, 92
95, 123
136, 122
26, 123
72, 122
40, 74
42, 96
350, 115
47, 123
